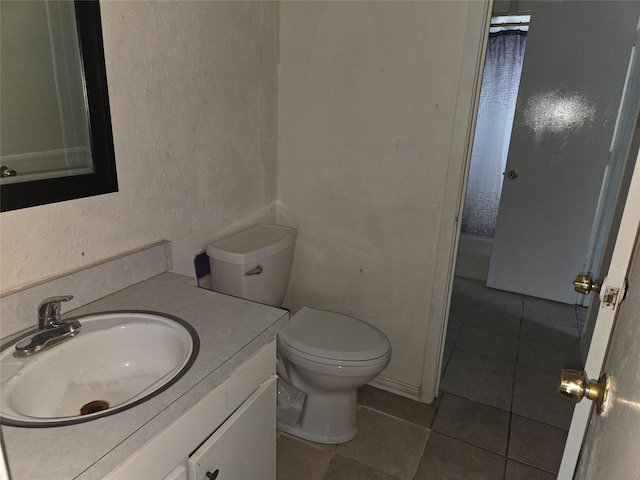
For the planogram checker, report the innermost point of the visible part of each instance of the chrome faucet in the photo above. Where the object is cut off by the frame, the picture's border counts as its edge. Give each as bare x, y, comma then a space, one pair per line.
51, 328
49, 311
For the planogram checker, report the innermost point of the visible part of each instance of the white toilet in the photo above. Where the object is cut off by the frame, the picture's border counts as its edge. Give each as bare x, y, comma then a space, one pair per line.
323, 357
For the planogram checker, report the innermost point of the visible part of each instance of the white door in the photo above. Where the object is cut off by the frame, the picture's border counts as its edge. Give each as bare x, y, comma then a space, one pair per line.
612, 443
572, 80
624, 361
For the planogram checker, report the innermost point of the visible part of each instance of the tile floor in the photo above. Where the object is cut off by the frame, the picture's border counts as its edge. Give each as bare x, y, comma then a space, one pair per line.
497, 417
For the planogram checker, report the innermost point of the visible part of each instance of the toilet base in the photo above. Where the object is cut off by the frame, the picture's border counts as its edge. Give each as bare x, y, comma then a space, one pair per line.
325, 417
296, 431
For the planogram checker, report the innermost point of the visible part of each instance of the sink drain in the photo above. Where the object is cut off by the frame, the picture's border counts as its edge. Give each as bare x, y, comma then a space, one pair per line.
93, 407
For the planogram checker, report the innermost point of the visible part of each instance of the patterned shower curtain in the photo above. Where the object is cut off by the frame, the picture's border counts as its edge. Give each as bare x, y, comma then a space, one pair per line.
496, 108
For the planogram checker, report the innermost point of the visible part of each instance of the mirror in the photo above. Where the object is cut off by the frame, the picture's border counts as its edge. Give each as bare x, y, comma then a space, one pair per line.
55, 121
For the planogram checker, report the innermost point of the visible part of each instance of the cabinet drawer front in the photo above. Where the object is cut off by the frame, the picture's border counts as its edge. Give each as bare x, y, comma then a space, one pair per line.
244, 447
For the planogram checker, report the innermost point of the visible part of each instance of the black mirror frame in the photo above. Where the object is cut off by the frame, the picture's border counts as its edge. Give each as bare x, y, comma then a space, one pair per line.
104, 179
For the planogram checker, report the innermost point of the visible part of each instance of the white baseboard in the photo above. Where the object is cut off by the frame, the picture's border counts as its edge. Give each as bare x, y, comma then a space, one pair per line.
394, 386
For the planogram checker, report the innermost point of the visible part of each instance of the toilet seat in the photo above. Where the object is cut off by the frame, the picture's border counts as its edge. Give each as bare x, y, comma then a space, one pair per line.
331, 366
331, 338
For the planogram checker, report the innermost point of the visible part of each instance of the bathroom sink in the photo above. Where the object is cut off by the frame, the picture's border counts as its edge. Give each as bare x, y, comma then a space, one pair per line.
116, 361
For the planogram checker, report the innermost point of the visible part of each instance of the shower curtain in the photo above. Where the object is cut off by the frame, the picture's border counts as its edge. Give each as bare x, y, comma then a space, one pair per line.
496, 108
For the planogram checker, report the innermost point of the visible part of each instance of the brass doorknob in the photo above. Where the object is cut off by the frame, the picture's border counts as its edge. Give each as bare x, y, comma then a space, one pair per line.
573, 386
7, 172
513, 174
584, 284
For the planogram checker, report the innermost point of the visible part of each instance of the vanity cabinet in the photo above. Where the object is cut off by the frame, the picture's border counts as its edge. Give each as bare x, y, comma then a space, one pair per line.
229, 434
242, 446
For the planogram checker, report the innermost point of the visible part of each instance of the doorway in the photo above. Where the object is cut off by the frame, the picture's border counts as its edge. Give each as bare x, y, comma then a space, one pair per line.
572, 81
506, 341
501, 79
503, 353
497, 339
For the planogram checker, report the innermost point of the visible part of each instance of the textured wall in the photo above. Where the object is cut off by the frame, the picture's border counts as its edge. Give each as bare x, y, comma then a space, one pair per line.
368, 95
193, 91
367, 100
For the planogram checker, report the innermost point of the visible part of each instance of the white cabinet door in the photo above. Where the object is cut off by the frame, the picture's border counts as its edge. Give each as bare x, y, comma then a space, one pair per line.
244, 447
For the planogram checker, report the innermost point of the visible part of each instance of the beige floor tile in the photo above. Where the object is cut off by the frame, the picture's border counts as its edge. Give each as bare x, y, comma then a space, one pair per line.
500, 299
563, 336
519, 471
397, 406
549, 358
466, 286
462, 303
387, 444
474, 423
542, 415
346, 469
445, 358
479, 378
536, 444
487, 316
449, 459
487, 342
535, 397
300, 460
550, 312
453, 332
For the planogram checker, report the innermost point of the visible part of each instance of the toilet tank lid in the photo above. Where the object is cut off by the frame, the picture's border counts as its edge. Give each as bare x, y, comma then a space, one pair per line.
252, 244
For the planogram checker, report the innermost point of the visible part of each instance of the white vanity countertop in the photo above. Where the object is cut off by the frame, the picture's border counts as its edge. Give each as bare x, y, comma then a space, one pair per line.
230, 331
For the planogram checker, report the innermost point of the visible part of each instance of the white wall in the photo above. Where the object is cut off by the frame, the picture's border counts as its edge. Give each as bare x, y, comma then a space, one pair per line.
193, 92
368, 93
373, 117
474, 254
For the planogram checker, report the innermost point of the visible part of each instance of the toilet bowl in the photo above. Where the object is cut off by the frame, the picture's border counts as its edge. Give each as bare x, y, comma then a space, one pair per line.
326, 356
323, 357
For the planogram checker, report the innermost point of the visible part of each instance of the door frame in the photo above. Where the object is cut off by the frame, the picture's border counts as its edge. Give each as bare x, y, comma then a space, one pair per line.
474, 51
478, 21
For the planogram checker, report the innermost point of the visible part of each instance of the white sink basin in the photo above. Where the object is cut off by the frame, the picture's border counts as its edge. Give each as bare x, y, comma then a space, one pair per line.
116, 361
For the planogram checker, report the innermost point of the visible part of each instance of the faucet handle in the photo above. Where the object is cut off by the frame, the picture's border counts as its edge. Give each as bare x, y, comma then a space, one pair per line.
49, 310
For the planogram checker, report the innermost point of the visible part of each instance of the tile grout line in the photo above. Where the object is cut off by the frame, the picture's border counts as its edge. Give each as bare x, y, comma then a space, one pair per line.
513, 390
403, 420
469, 444
333, 458
424, 449
521, 336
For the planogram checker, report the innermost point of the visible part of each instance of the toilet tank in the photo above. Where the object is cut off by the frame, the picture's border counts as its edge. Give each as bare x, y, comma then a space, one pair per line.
254, 264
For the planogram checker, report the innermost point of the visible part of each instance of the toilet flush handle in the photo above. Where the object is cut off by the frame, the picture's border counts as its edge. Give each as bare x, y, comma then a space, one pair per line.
254, 271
